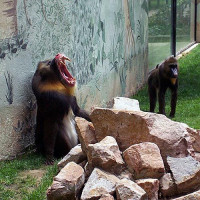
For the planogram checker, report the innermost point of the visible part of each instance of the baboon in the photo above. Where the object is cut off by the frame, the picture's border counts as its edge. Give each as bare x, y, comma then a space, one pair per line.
54, 88
164, 76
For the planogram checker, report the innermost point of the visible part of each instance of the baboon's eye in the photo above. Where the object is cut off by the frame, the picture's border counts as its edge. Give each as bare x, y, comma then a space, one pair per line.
49, 63
173, 65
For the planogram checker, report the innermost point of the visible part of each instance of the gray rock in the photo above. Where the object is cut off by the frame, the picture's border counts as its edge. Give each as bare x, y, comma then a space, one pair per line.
185, 172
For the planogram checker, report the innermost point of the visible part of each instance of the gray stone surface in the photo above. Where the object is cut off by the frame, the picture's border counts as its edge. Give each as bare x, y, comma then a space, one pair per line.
185, 172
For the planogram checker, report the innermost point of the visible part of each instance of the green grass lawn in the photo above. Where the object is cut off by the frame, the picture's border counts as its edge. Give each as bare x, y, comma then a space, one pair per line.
27, 178
188, 104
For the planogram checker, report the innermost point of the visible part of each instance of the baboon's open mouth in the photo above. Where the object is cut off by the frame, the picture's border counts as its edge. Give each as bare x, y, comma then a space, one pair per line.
64, 72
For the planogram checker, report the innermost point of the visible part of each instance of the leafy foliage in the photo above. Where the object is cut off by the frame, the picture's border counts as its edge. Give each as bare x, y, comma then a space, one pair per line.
160, 20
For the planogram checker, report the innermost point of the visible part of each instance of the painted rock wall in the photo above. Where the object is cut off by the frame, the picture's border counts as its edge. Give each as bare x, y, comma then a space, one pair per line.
106, 41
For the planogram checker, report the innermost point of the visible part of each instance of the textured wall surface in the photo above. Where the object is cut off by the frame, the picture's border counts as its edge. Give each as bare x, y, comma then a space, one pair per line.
106, 41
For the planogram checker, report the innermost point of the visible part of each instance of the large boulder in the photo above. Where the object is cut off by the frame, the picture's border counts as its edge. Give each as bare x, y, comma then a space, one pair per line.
129, 127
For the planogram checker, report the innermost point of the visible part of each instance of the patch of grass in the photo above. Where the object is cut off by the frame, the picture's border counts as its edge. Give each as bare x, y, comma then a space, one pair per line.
15, 185
188, 104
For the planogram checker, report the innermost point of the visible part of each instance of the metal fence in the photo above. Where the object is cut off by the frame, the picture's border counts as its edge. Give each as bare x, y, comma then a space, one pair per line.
172, 28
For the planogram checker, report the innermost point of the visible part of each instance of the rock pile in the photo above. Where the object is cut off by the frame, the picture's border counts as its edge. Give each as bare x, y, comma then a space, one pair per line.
130, 155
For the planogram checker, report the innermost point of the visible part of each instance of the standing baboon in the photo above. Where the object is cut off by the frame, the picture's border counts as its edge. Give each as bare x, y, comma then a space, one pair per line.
162, 77
54, 88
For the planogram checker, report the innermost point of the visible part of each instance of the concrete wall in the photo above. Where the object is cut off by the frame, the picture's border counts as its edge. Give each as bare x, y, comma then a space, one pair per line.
106, 41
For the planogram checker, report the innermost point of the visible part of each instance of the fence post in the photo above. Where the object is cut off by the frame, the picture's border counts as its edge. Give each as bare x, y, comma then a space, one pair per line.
173, 27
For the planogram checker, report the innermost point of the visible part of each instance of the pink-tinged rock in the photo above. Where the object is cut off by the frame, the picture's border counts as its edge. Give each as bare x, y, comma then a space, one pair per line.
196, 156
127, 189
86, 133
75, 155
106, 155
150, 186
126, 174
195, 138
186, 173
98, 184
144, 160
67, 184
107, 197
130, 128
192, 196
167, 186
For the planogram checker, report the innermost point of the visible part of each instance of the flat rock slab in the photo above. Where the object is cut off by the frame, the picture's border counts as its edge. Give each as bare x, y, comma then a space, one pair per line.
186, 173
